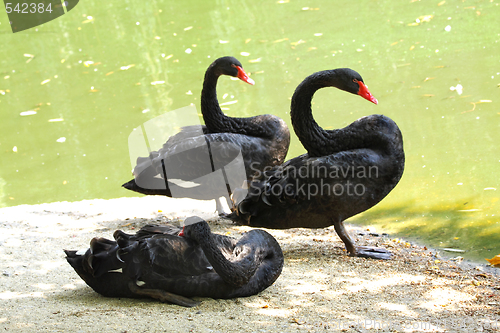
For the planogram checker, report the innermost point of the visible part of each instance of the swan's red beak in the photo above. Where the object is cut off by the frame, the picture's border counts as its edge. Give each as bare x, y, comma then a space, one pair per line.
181, 234
363, 92
244, 76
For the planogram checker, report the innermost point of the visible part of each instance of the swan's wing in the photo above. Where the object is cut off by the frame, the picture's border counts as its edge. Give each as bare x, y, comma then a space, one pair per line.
185, 132
154, 229
346, 181
160, 253
188, 155
202, 167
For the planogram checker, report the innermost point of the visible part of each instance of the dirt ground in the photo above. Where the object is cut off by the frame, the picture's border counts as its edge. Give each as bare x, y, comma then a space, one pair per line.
321, 289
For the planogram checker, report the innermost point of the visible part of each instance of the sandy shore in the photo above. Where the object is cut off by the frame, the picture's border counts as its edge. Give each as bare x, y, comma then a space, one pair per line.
320, 290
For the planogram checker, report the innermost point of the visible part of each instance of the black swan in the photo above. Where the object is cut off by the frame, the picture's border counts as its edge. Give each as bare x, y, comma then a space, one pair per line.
263, 141
171, 264
344, 172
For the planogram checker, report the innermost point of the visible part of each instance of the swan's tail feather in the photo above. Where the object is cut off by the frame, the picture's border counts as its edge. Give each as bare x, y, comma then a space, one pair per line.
132, 186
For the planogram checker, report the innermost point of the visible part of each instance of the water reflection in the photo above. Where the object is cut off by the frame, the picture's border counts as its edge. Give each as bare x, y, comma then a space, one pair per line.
129, 62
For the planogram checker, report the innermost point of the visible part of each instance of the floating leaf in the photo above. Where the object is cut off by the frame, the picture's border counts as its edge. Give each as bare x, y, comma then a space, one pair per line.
280, 40
27, 113
124, 68
300, 41
421, 19
229, 103
88, 20
30, 56
458, 89
45, 81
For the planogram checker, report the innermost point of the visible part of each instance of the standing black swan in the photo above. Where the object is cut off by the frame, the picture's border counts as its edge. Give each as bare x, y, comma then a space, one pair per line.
263, 141
172, 264
345, 171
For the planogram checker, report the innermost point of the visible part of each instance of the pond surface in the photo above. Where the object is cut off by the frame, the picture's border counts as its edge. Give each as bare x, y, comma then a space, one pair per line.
72, 90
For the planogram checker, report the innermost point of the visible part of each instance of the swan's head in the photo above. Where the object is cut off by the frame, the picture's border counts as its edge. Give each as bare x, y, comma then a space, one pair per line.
194, 226
232, 67
351, 81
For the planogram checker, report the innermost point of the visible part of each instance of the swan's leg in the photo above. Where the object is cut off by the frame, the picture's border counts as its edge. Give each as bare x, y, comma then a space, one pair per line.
359, 251
344, 235
163, 296
221, 206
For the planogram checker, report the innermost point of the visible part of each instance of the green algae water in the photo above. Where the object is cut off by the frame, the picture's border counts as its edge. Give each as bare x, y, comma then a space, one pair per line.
72, 90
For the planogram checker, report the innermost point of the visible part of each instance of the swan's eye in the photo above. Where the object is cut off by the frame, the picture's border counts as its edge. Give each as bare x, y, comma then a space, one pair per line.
354, 80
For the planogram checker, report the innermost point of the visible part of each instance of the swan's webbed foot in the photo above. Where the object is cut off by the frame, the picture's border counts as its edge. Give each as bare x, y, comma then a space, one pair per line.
225, 215
371, 252
162, 296
359, 251
233, 216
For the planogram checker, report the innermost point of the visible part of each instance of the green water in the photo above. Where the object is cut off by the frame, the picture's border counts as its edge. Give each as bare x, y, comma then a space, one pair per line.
102, 58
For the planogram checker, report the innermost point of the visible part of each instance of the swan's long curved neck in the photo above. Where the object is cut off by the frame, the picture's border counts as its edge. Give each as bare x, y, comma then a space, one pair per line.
214, 118
316, 140
216, 121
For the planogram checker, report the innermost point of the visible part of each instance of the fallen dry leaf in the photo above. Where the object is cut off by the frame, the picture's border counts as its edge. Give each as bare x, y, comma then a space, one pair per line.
495, 261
